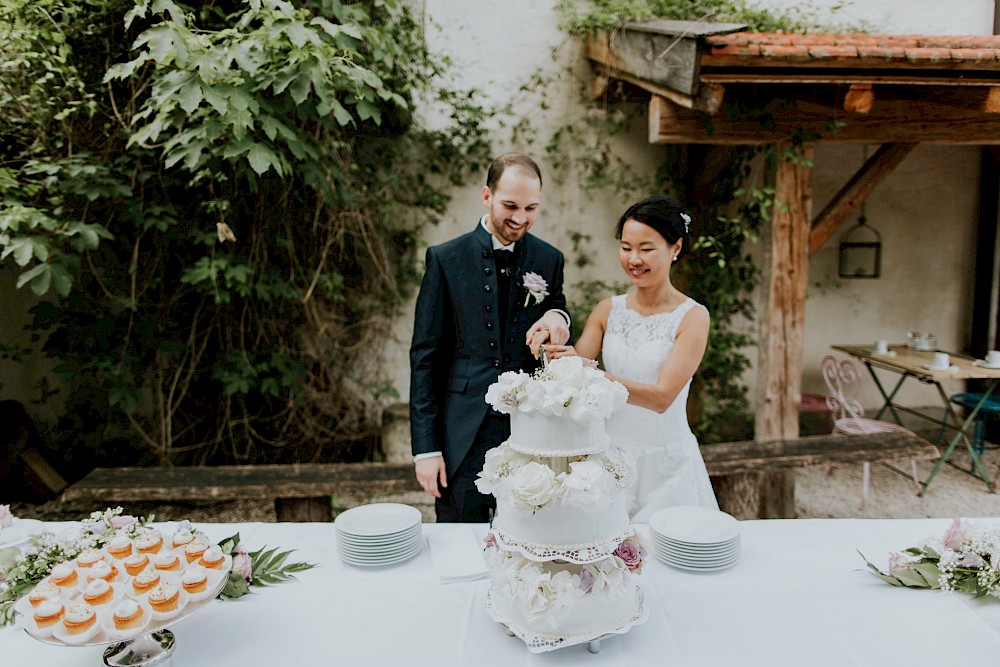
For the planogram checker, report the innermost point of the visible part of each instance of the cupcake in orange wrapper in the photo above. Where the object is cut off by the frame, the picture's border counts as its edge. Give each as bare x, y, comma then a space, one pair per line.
165, 598
102, 570
78, 619
195, 580
213, 558
135, 564
63, 575
182, 538
195, 550
45, 590
98, 592
128, 615
145, 581
120, 547
168, 562
88, 558
48, 613
149, 542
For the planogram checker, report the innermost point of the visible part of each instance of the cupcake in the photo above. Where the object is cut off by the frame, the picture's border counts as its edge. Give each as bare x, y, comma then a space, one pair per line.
88, 558
128, 615
45, 590
145, 581
63, 575
98, 592
168, 562
182, 538
120, 547
149, 542
164, 598
194, 550
213, 558
78, 619
48, 613
136, 563
195, 580
102, 570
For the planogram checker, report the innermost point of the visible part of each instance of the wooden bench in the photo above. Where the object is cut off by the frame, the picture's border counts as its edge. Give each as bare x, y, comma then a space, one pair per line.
303, 492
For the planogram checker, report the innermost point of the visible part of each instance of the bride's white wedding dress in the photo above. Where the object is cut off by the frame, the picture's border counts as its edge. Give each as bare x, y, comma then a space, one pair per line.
669, 467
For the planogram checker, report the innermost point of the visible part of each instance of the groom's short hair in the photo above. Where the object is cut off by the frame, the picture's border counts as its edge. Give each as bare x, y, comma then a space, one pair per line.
511, 160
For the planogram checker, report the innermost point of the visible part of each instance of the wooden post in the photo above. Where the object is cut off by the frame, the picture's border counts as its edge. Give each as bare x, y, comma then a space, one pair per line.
785, 271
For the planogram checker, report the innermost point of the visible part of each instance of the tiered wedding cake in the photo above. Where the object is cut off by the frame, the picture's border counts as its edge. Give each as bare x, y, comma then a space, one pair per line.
562, 552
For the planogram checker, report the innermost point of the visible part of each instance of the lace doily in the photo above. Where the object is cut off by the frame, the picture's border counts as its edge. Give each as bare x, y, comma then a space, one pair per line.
580, 554
542, 642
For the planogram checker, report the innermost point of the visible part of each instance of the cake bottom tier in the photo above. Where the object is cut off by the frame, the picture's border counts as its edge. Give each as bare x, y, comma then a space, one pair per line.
585, 621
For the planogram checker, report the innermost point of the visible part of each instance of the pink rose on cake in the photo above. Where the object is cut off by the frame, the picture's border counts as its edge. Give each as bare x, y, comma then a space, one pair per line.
533, 485
632, 554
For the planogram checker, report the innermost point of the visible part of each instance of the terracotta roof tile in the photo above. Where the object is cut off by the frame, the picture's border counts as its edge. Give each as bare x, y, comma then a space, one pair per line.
881, 52
973, 54
832, 51
782, 51
928, 54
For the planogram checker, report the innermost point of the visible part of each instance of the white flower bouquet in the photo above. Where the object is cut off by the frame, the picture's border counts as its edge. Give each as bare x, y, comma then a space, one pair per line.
569, 386
964, 559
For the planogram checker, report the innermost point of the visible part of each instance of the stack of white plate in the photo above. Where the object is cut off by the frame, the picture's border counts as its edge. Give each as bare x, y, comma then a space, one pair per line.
695, 538
379, 534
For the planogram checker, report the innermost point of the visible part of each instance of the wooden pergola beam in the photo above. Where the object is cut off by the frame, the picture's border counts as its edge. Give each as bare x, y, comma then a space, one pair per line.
888, 120
844, 203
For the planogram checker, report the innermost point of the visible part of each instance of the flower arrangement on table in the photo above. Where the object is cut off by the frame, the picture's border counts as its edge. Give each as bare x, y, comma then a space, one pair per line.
21, 570
964, 559
567, 386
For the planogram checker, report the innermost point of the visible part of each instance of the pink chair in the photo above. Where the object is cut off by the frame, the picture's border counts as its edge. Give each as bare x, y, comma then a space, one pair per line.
844, 380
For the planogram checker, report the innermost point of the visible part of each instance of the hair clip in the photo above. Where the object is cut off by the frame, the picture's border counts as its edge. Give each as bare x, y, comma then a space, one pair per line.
687, 222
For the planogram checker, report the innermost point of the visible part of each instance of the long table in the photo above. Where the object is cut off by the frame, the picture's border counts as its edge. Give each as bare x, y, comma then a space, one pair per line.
800, 595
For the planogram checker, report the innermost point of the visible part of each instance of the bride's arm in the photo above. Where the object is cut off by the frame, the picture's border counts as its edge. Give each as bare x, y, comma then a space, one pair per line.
683, 360
589, 343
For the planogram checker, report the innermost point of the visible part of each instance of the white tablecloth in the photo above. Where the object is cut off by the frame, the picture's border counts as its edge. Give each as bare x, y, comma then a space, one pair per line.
800, 595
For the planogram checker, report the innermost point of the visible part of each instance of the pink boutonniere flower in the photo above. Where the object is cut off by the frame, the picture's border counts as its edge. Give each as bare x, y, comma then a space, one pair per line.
536, 288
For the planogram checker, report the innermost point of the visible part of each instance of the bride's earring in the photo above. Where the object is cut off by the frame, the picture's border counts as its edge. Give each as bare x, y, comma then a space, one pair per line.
675, 258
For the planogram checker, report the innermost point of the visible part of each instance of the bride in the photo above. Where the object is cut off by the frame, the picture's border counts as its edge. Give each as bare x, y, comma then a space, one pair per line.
652, 340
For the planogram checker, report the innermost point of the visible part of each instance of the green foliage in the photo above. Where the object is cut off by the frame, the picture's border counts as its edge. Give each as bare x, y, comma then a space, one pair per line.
221, 202
606, 14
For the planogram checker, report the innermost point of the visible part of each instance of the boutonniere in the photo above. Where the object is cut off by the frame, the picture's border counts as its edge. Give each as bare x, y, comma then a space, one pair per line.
536, 288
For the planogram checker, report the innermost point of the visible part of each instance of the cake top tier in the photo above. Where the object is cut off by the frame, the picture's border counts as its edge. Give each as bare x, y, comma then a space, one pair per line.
568, 387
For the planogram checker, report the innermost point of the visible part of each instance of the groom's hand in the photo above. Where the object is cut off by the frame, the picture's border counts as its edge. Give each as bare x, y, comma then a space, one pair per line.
431, 472
550, 328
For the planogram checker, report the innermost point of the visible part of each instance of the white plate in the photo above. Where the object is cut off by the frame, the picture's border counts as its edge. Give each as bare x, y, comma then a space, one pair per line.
389, 548
982, 364
949, 369
697, 548
373, 562
674, 551
690, 568
694, 525
700, 562
378, 519
354, 553
407, 534
20, 531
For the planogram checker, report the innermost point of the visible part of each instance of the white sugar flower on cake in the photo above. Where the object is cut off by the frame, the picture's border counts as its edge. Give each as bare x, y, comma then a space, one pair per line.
569, 386
526, 484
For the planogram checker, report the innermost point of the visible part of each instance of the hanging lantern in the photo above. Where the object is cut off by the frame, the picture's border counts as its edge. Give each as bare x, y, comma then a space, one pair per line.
861, 251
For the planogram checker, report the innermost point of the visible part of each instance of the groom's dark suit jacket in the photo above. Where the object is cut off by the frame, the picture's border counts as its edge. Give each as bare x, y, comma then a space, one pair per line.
460, 346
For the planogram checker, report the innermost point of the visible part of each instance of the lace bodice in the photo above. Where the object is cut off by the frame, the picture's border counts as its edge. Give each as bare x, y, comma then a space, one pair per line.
635, 346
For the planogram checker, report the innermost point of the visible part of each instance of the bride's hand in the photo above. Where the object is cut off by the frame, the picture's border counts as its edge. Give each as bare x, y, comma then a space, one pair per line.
556, 351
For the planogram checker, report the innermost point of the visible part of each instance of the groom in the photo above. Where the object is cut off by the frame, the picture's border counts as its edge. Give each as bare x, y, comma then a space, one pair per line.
479, 313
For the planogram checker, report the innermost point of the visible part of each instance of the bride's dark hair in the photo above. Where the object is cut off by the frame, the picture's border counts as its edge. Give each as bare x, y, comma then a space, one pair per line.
664, 214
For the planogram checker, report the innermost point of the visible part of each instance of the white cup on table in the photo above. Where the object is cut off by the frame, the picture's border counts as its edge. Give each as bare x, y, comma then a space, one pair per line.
882, 347
942, 360
993, 358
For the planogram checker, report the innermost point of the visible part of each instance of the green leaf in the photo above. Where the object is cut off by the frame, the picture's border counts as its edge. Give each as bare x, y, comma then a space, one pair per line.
39, 277
190, 95
261, 158
236, 586
930, 572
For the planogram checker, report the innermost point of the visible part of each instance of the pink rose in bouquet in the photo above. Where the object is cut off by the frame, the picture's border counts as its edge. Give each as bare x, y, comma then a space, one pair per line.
123, 521
955, 535
897, 561
631, 554
242, 565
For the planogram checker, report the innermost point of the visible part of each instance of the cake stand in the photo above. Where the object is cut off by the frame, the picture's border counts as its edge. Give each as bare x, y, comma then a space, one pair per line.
150, 646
